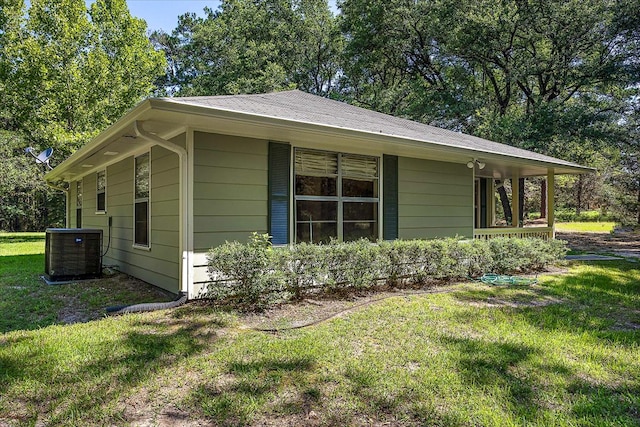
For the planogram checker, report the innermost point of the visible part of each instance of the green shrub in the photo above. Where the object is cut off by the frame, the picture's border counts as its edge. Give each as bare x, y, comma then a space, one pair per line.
569, 215
244, 272
301, 267
256, 274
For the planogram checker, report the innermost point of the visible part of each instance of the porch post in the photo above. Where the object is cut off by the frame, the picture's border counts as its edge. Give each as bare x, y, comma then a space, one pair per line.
550, 200
515, 199
491, 202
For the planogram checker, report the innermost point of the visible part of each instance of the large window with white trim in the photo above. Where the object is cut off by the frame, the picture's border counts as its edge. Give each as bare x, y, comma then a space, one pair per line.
336, 196
141, 201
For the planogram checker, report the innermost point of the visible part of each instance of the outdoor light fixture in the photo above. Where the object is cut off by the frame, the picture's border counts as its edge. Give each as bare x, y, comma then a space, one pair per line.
472, 163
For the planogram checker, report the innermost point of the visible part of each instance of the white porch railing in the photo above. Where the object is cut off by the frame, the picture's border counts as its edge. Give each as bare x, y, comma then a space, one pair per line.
545, 233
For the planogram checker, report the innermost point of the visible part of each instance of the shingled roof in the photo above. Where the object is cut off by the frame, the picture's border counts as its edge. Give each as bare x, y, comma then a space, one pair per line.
302, 107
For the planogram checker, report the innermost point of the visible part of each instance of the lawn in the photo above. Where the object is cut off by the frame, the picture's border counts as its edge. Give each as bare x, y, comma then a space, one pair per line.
564, 352
28, 303
585, 227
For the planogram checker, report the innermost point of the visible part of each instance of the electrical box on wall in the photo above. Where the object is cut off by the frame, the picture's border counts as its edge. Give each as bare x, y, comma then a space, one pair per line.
73, 253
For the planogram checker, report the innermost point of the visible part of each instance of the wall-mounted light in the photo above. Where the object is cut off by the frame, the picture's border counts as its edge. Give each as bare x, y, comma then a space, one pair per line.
472, 163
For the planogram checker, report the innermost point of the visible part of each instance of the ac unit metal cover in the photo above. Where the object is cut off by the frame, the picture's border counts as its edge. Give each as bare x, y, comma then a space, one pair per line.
73, 253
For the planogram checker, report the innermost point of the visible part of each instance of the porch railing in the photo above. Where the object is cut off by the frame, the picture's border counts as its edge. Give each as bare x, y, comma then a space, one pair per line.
545, 233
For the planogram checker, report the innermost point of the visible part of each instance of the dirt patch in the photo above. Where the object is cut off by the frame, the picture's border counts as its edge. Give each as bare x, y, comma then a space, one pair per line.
111, 290
313, 311
625, 243
499, 302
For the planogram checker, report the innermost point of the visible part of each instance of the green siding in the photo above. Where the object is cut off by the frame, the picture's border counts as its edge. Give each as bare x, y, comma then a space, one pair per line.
435, 199
159, 265
230, 188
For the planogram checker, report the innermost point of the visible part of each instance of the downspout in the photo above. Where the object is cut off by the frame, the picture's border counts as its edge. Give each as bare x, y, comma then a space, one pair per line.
66, 200
184, 205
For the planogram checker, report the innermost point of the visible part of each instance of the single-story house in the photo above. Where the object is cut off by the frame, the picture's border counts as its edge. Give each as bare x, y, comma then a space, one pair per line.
177, 176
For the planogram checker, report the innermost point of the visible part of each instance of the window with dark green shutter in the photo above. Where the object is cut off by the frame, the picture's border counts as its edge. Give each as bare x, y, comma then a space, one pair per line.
390, 198
279, 181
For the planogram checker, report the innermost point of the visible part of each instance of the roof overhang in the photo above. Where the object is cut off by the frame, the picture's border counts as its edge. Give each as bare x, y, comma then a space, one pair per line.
166, 118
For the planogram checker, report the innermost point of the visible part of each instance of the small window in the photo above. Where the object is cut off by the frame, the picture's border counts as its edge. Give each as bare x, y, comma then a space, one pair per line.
79, 204
141, 201
101, 191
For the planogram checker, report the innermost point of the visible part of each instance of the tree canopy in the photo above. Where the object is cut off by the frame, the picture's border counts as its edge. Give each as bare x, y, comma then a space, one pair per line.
70, 72
65, 74
560, 77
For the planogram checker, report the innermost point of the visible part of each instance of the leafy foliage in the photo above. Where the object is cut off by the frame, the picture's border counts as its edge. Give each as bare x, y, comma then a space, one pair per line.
253, 47
67, 72
26, 203
255, 274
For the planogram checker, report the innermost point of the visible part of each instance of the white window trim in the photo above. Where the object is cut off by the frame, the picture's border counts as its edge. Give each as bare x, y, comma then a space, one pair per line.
135, 245
339, 198
103, 212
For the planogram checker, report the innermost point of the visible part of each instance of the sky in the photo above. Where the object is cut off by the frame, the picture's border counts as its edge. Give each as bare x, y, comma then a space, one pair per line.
163, 14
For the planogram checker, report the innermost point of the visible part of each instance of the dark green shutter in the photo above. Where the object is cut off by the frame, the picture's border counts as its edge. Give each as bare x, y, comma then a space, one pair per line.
279, 178
390, 197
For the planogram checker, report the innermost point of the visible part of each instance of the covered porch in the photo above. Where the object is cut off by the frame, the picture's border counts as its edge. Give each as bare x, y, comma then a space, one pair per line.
487, 181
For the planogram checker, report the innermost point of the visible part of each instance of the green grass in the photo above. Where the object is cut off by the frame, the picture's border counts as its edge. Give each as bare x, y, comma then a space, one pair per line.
28, 303
585, 227
563, 353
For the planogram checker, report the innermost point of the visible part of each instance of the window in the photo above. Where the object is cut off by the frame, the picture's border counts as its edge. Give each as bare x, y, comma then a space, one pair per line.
79, 204
141, 201
336, 196
101, 191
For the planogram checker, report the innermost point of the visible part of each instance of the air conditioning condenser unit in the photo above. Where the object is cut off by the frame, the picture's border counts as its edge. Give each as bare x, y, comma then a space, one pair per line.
73, 253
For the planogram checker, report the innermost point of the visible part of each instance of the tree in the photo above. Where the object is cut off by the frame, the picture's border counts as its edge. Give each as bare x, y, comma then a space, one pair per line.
552, 76
254, 46
66, 73
74, 72
26, 203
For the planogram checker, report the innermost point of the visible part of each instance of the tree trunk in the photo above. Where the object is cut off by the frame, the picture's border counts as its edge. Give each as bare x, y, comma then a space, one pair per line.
543, 198
579, 196
638, 206
505, 201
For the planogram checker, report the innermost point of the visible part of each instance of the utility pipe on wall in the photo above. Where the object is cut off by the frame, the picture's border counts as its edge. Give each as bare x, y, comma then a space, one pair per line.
182, 153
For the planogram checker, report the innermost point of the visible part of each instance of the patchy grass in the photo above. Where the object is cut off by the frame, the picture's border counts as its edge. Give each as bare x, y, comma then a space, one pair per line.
564, 352
585, 227
28, 303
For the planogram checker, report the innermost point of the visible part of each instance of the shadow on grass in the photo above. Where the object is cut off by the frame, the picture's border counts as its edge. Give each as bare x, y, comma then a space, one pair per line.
486, 365
28, 303
20, 265
76, 392
601, 299
246, 386
598, 306
21, 238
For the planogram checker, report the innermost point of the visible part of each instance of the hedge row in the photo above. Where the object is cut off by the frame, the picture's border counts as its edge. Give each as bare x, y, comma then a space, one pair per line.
257, 274
570, 215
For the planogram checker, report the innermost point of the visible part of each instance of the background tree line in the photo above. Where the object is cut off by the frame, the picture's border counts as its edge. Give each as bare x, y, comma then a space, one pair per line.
560, 77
